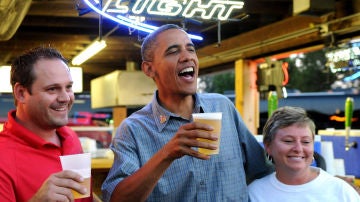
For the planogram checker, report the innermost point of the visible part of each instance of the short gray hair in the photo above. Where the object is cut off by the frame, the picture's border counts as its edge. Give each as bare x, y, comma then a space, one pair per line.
284, 117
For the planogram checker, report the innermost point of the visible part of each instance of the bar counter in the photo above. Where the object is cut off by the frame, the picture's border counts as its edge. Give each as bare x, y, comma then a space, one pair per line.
350, 154
337, 132
99, 170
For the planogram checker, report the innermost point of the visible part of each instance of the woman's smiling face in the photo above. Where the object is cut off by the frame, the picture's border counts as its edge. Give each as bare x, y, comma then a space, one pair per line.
292, 148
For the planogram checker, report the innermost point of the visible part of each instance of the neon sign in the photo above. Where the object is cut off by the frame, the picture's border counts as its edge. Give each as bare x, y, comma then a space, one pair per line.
124, 11
173, 8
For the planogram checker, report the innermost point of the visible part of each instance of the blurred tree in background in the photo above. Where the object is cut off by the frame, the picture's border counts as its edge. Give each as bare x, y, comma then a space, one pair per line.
218, 83
308, 73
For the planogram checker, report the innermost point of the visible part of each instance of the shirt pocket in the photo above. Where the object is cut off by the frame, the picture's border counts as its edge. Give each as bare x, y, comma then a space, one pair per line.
230, 180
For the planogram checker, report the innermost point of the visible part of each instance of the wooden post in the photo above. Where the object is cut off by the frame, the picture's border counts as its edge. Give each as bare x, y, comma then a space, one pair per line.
119, 114
246, 95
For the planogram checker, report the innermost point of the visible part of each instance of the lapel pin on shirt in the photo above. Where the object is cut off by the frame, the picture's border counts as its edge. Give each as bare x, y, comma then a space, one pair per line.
162, 118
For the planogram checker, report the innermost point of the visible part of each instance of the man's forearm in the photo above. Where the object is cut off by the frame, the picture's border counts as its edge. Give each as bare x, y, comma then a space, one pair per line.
138, 186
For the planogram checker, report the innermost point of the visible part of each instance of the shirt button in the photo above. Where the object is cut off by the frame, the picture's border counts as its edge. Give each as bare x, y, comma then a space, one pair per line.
202, 182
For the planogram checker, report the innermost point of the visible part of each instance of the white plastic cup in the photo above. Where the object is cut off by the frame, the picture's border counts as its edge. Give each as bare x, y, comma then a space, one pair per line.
213, 119
81, 164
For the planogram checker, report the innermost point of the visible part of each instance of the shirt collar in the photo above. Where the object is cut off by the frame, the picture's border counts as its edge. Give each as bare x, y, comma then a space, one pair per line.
28, 136
162, 115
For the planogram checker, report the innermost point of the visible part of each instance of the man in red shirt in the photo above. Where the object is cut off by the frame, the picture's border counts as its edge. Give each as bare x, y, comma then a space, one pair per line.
35, 134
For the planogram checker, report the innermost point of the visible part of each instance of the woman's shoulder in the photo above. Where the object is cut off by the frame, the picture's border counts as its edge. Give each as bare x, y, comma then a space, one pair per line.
261, 181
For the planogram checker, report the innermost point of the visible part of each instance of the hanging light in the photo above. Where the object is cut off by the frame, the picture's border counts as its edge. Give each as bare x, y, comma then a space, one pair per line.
89, 51
95, 47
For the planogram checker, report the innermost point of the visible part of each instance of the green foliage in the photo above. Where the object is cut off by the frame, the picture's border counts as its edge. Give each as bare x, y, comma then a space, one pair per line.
309, 73
219, 83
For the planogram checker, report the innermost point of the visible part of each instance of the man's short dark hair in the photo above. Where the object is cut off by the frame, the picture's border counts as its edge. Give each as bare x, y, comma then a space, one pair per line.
150, 40
22, 67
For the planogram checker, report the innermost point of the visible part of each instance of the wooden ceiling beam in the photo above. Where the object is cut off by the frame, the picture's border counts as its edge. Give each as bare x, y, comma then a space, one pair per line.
56, 8
214, 55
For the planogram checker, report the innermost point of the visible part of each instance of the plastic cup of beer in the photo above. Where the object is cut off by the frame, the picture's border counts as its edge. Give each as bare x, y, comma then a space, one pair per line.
81, 164
213, 119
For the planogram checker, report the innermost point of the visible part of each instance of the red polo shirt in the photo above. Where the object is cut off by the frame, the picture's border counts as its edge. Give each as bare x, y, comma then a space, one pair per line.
26, 160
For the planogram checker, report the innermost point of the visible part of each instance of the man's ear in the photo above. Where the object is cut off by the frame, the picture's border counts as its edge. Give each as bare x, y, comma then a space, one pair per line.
147, 68
19, 92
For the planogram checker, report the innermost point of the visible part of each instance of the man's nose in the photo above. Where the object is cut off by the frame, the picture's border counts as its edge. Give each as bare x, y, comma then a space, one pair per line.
186, 56
64, 96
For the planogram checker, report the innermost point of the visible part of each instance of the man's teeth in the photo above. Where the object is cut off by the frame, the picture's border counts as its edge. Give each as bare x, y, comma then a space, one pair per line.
189, 69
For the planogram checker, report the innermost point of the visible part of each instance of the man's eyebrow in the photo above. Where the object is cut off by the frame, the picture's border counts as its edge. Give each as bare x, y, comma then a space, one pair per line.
177, 46
190, 44
171, 47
